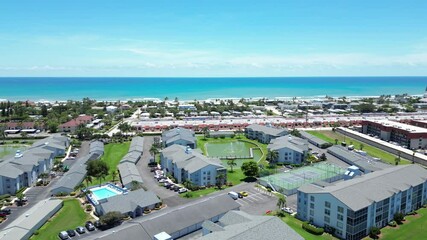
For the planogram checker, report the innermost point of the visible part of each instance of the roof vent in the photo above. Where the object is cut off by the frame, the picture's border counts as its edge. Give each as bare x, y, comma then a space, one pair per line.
188, 150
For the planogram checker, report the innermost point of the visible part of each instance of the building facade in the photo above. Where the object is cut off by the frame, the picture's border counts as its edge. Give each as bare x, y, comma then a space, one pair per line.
410, 136
350, 208
290, 149
264, 134
180, 136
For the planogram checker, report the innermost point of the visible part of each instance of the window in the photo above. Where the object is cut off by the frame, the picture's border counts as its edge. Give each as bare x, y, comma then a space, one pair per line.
311, 205
327, 212
327, 204
340, 209
326, 218
339, 224
311, 212
340, 217
312, 198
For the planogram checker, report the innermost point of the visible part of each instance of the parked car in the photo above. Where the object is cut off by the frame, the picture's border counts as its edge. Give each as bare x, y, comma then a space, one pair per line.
176, 188
163, 180
182, 190
239, 195
233, 195
3, 214
80, 230
97, 223
71, 233
63, 235
288, 210
89, 226
169, 185
244, 194
6, 211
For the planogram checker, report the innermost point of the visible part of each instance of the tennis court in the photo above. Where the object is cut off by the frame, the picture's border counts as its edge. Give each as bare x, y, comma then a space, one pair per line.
289, 182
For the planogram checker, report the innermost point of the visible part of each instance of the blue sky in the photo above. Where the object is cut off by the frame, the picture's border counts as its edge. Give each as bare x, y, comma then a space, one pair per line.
213, 38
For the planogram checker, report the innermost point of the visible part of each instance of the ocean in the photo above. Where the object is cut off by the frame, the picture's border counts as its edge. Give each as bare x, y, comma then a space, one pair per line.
104, 88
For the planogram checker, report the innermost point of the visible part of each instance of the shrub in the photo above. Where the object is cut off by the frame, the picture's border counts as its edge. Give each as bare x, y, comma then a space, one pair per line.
36, 232
392, 224
412, 213
72, 193
88, 207
4, 196
374, 232
61, 194
312, 229
399, 217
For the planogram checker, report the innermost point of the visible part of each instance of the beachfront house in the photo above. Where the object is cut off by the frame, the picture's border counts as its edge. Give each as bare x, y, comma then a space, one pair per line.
264, 134
187, 164
180, 136
290, 149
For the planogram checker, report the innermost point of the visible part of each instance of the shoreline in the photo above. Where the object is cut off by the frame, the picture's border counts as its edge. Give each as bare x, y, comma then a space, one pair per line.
297, 98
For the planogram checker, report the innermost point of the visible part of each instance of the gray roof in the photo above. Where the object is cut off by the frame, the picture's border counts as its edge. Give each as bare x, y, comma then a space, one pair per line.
237, 225
73, 177
96, 147
171, 220
268, 130
10, 171
137, 144
362, 191
129, 173
312, 138
129, 202
362, 162
168, 137
189, 159
131, 157
291, 142
22, 227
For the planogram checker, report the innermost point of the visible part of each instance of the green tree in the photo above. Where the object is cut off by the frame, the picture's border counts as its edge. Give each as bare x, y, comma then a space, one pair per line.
220, 180
84, 132
399, 217
374, 232
187, 183
44, 176
281, 202
232, 163
361, 146
3, 132
272, 157
88, 179
135, 185
111, 218
250, 169
396, 161
336, 141
97, 168
153, 151
295, 132
44, 110
205, 132
114, 175
323, 157
52, 126
125, 127
20, 197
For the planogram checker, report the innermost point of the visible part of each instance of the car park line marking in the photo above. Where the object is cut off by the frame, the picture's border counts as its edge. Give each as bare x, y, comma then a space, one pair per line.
246, 198
241, 202
257, 196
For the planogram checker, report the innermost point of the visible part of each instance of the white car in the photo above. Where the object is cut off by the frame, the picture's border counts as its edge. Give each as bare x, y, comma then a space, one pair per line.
182, 190
288, 210
163, 180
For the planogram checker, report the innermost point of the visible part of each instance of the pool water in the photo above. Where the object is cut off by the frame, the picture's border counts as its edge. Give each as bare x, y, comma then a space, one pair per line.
103, 192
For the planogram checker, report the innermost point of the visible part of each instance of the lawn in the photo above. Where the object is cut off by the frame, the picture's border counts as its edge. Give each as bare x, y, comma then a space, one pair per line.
296, 225
113, 153
10, 149
70, 216
412, 228
199, 193
330, 136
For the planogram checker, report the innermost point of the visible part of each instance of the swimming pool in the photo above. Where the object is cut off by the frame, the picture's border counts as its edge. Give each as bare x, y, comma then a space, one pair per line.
104, 192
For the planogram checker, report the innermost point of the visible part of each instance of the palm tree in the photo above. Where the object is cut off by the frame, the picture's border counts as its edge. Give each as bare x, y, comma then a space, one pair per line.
187, 183
361, 146
88, 179
3, 132
220, 180
336, 141
272, 156
101, 177
205, 131
113, 175
153, 151
396, 161
232, 163
20, 197
43, 176
134, 185
125, 128
281, 202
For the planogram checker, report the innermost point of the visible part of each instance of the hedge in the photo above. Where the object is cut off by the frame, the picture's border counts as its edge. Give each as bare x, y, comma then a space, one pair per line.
312, 229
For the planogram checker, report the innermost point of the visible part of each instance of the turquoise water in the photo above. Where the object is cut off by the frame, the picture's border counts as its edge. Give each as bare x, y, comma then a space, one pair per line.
103, 193
203, 88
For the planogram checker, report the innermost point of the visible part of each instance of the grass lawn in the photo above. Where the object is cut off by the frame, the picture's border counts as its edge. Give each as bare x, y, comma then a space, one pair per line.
200, 193
70, 216
113, 153
412, 228
236, 176
296, 225
330, 136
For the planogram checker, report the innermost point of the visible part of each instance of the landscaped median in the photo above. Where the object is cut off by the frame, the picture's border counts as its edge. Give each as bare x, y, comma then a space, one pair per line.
70, 216
330, 137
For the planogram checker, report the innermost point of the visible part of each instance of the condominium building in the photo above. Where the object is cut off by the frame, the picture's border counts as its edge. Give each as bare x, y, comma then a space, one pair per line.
180, 136
406, 135
264, 134
187, 164
290, 149
350, 208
